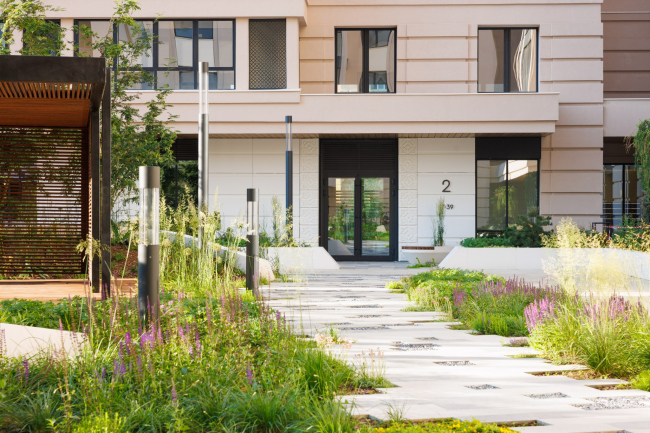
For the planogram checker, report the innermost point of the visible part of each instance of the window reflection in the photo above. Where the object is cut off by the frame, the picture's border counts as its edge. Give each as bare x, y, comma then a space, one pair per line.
523, 49
373, 48
622, 193
507, 60
505, 190
100, 29
138, 33
491, 58
170, 58
216, 43
175, 48
349, 61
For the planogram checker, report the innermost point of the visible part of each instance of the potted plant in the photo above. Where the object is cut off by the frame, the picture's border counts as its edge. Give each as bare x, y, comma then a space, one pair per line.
438, 251
438, 222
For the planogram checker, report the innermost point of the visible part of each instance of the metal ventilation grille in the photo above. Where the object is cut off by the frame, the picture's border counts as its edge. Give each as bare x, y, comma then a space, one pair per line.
359, 156
44, 199
268, 54
186, 149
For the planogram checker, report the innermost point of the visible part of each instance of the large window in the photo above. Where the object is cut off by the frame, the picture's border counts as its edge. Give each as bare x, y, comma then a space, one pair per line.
622, 193
505, 188
365, 61
507, 60
180, 46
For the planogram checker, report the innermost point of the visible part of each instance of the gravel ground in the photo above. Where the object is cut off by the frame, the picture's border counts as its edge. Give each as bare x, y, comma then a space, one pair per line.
548, 395
367, 306
363, 328
368, 316
425, 338
411, 346
486, 386
398, 324
338, 323
601, 403
453, 363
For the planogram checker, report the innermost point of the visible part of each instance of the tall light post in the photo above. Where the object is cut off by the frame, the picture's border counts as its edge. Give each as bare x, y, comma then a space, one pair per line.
253, 240
288, 120
148, 245
204, 132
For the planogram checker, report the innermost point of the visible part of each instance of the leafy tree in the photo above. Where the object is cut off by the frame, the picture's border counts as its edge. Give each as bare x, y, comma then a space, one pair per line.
139, 136
40, 36
640, 141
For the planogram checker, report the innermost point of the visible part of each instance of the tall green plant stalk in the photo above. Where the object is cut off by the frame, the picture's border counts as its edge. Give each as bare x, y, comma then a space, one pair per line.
438, 223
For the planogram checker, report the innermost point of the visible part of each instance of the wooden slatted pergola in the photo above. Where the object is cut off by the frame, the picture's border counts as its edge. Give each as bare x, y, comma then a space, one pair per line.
52, 165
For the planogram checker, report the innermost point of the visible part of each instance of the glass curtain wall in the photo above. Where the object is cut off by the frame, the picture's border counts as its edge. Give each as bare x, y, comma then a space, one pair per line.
507, 60
365, 61
505, 190
174, 59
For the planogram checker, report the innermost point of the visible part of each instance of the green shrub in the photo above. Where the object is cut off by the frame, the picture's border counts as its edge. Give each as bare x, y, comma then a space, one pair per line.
434, 289
642, 381
528, 230
450, 426
395, 286
484, 242
103, 423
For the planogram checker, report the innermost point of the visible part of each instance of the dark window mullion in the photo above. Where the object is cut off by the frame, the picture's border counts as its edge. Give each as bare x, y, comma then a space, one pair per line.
507, 194
154, 54
506, 70
195, 52
366, 61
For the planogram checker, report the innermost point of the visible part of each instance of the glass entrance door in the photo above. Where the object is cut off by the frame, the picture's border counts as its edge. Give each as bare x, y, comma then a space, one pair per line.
375, 216
341, 216
359, 218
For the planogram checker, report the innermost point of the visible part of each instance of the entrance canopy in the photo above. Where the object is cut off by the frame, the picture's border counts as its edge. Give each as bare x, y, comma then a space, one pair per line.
50, 162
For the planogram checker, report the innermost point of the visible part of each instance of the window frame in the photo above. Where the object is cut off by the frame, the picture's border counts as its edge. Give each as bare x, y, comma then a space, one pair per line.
625, 197
155, 69
506, 57
505, 148
365, 40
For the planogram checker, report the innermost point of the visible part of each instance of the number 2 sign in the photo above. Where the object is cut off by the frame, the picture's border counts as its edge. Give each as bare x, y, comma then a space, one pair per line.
447, 184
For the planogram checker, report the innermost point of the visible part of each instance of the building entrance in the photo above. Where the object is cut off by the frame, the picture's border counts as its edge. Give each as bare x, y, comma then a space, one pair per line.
358, 199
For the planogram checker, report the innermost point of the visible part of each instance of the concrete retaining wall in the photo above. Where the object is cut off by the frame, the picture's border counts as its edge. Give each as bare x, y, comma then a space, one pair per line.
634, 263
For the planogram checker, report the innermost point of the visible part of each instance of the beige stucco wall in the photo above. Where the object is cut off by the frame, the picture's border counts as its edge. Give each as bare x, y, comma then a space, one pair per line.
436, 71
437, 53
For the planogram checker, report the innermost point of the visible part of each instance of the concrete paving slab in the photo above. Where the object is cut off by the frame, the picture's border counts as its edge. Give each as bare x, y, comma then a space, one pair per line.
429, 390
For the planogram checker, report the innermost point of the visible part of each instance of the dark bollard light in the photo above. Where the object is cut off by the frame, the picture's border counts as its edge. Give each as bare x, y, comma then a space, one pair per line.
253, 240
148, 247
288, 120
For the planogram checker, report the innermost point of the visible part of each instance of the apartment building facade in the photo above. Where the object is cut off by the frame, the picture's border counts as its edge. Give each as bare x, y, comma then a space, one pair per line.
494, 107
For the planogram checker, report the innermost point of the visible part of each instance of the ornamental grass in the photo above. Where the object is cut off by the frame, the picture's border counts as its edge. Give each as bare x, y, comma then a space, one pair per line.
609, 334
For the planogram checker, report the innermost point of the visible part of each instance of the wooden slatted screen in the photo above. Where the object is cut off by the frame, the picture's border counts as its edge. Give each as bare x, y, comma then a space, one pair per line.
44, 199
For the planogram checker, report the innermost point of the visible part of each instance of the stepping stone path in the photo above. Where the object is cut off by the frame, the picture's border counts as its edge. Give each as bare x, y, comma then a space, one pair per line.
461, 375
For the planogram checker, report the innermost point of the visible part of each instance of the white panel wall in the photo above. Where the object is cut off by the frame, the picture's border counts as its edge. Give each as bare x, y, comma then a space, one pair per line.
238, 164
441, 159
